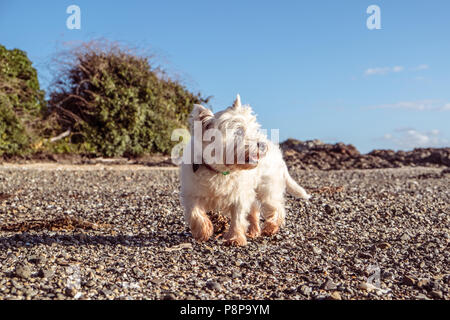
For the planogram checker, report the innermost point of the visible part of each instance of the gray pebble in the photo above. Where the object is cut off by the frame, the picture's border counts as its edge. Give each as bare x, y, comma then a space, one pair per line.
436, 294
213, 285
23, 271
46, 273
329, 285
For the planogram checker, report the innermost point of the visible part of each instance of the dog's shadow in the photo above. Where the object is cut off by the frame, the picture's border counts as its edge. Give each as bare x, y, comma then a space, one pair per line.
26, 240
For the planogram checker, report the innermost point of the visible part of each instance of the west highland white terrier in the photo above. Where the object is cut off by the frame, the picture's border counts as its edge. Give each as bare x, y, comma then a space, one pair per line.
232, 167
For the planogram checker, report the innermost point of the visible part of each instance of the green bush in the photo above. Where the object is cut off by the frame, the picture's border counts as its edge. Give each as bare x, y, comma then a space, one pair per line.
116, 104
21, 102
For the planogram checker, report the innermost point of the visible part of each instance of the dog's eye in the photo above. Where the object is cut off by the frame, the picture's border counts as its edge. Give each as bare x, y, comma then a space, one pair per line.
239, 132
208, 125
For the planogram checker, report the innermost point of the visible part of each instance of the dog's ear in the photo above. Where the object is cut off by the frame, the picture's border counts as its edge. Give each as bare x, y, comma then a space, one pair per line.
237, 102
200, 113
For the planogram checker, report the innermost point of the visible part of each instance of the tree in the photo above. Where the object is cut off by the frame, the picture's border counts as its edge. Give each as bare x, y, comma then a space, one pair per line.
115, 103
22, 103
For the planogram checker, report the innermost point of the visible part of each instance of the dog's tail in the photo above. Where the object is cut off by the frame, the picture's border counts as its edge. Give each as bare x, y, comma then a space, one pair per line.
293, 188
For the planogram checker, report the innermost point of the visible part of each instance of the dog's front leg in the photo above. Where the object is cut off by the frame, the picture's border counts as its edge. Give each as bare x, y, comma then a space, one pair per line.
253, 218
239, 223
199, 223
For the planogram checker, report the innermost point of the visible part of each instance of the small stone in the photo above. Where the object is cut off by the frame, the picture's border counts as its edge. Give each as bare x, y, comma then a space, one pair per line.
60, 296
81, 237
23, 271
107, 293
138, 272
213, 285
405, 237
169, 296
384, 245
275, 295
423, 283
316, 250
329, 209
156, 281
329, 285
179, 247
46, 273
16, 284
30, 292
335, 296
289, 290
434, 286
70, 292
367, 286
364, 255
421, 296
436, 294
409, 281
90, 284
239, 263
305, 290
36, 259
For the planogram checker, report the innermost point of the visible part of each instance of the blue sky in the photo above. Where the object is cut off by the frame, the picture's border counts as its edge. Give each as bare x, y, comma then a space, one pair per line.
310, 68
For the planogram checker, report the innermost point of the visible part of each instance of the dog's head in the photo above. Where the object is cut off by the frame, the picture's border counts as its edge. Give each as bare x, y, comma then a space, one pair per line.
230, 139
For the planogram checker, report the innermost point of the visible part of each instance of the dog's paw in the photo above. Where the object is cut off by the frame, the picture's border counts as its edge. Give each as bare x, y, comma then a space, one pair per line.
237, 242
235, 239
253, 232
202, 231
270, 229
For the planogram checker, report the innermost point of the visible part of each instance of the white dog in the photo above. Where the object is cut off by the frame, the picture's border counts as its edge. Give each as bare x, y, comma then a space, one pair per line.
238, 189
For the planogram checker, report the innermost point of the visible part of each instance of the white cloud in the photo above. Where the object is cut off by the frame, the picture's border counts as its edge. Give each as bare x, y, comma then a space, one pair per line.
408, 138
394, 69
421, 67
421, 105
374, 71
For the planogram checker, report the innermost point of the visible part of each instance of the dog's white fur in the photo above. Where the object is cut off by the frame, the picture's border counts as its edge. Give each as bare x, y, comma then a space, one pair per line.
246, 191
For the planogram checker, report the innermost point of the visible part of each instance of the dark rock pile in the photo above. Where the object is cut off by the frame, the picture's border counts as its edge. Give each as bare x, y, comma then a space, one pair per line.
314, 154
311, 154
